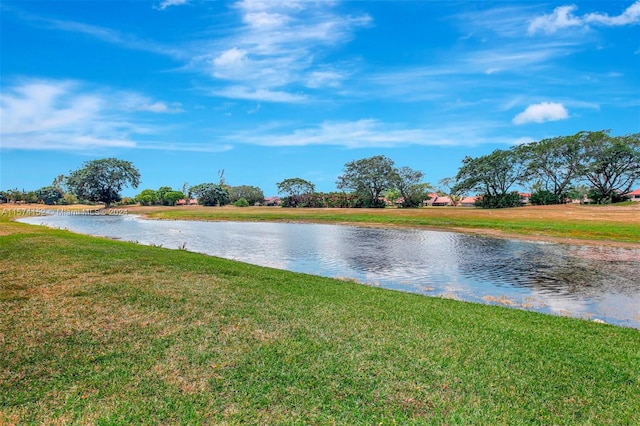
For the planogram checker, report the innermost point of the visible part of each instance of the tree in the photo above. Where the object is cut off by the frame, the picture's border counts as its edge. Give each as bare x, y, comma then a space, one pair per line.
210, 194
102, 180
171, 198
368, 178
297, 192
147, 197
186, 191
493, 176
49, 195
409, 184
58, 182
252, 194
555, 164
160, 192
611, 165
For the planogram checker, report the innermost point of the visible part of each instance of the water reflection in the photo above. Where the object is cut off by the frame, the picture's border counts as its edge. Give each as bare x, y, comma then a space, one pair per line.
592, 282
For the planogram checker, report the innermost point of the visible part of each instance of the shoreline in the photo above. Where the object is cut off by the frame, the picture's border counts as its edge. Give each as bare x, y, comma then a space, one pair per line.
228, 214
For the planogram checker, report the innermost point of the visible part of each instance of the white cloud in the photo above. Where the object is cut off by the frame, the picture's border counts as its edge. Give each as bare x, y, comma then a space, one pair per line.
231, 58
265, 20
65, 115
232, 64
274, 44
368, 133
320, 79
161, 107
128, 101
564, 17
539, 113
352, 134
278, 46
168, 3
522, 140
104, 34
630, 16
247, 93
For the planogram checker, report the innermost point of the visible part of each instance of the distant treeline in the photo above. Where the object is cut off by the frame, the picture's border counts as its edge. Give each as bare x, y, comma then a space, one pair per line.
592, 166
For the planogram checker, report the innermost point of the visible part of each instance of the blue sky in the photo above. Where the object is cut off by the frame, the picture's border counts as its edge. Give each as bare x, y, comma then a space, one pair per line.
269, 90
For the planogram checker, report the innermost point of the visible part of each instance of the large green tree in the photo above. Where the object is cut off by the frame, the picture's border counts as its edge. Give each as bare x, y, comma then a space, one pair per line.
252, 194
611, 165
297, 191
368, 178
493, 176
211, 194
553, 164
160, 193
49, 195
102, 180
408, 182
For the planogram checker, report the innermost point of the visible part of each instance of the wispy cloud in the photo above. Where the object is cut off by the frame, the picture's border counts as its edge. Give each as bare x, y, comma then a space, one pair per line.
542, 112
136, 102
269, 52
66, 115
369, 133
104, 34
258, 94
564, 17
168, 3
276, 48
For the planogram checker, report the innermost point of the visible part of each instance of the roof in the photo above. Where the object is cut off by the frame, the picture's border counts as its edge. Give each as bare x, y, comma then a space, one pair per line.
469, 200
636, 192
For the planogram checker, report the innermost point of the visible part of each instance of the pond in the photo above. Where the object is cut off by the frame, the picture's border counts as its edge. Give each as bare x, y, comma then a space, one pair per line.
580, 281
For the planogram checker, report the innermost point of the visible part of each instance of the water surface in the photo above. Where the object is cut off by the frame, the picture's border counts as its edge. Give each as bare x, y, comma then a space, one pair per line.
579, 281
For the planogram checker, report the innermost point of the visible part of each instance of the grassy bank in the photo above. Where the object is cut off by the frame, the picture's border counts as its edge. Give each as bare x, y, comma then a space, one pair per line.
95, 331
610, 223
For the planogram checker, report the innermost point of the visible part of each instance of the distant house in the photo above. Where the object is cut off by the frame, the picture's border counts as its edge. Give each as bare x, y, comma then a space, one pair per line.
468, 201
272, 201
191, 202
525, 197
583, 200
438, 200
634, 195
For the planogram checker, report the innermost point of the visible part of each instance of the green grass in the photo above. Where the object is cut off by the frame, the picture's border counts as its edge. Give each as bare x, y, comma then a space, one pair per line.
95, 331
560, 222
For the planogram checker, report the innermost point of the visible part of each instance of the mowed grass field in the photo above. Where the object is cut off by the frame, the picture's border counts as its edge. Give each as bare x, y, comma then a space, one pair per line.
569, 223
95, 331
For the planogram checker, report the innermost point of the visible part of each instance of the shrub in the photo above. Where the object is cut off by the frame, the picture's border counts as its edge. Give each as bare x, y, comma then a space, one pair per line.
242, 202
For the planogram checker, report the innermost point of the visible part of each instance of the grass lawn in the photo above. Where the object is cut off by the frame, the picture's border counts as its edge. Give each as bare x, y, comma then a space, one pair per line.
619, 224
95, 331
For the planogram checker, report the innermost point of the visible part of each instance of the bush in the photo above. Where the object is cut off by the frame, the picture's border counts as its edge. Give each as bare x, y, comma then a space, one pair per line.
597, 197
543, 198
242, 202
512, 199
172, 197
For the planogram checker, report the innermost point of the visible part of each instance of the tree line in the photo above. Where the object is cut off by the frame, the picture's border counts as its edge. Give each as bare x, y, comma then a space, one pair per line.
595, 165
588, 164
